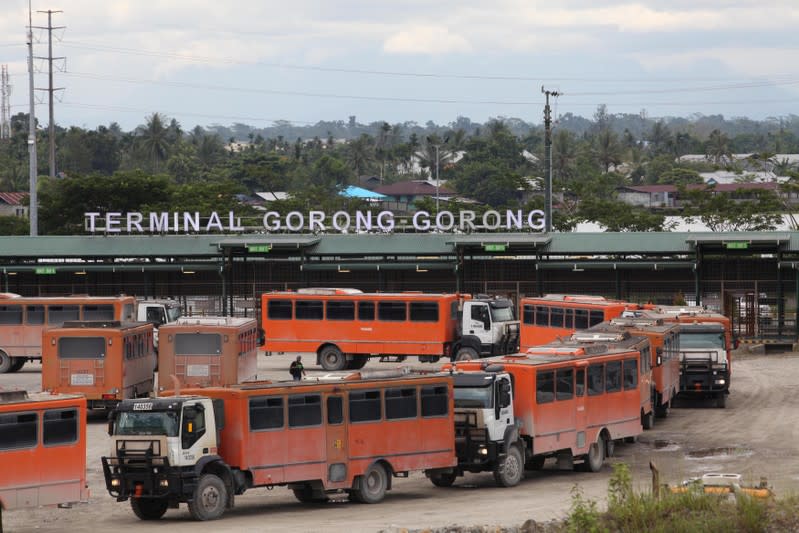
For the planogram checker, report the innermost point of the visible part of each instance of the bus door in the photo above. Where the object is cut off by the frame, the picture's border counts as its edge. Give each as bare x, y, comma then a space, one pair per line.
336, 437
198, 358
81, 363
580, 413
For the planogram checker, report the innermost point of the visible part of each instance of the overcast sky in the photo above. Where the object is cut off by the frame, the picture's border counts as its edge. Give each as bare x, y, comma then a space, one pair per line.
256, 61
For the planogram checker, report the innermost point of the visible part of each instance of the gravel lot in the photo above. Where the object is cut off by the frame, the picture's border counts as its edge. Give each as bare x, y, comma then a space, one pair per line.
754, 436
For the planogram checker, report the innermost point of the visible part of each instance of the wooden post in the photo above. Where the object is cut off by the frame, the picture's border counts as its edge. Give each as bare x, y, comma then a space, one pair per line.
655, 481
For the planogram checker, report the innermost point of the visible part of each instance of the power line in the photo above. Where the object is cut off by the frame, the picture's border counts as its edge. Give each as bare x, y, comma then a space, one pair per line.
341, 70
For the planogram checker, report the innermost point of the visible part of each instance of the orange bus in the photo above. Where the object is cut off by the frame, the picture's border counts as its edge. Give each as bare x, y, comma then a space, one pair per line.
546, 318
706, 344
106, 361
315, 437
42, 450
345, 327
208, 351
571, 402
23, 319
665, 340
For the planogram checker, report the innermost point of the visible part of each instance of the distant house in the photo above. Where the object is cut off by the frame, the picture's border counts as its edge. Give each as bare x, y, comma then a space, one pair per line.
401, 195
370, 182
12, 204
667, 196
272, 196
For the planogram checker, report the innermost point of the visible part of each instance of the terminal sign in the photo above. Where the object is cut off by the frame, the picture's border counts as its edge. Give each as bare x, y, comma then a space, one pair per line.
494, 247
45, 270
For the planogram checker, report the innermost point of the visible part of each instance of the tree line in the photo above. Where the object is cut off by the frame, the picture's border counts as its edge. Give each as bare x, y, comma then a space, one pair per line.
159, 166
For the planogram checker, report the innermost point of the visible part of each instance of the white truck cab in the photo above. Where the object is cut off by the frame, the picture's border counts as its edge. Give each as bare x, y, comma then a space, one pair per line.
488, 327
157, 312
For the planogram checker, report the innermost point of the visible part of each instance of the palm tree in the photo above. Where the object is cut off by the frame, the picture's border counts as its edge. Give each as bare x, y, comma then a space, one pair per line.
659, 138
155, 140
360, 154
607, 149
718, 147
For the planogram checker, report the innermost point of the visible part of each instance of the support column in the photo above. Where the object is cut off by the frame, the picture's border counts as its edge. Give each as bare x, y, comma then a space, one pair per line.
698, 277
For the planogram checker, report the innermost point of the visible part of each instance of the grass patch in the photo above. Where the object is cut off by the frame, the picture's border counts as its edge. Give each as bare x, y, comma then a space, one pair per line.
690, 511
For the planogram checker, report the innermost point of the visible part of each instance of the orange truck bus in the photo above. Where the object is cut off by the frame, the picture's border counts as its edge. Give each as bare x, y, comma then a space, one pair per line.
23, 319
345, 327
664, 338
208, 351
203, 446
571, 402
545, 318
706, 344
106, 361
42, 450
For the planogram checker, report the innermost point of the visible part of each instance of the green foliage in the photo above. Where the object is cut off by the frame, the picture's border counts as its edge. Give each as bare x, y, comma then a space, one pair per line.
13, 225
742, 210
584, 517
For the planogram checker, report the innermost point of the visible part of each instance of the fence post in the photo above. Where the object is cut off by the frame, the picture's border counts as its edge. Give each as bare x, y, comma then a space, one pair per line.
655, 480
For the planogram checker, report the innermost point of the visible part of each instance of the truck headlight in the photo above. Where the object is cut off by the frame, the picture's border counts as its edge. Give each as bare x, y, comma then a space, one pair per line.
115, 482
482, 450
720, 382
164, 483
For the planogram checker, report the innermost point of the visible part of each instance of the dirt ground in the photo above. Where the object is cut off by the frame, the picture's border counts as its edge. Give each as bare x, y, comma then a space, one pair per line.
754, 436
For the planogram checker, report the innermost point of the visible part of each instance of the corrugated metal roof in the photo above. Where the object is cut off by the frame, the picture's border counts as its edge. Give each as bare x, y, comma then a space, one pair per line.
13, 198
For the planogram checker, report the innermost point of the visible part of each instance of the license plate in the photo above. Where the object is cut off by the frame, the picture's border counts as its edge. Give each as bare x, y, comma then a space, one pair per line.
81, 379
197, 370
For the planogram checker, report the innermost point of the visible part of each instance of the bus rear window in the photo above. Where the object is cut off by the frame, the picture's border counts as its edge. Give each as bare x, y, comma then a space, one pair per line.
198, 344
81, 347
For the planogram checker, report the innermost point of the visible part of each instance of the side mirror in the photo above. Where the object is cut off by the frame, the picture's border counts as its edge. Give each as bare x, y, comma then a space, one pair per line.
659, 358
112, 417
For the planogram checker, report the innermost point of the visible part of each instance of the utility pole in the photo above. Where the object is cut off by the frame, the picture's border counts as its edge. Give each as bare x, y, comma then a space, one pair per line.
548, 156
5, 107
33, 211
50, 89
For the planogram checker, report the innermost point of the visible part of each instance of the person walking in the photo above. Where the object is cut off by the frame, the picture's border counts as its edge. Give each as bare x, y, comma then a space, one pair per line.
296, 369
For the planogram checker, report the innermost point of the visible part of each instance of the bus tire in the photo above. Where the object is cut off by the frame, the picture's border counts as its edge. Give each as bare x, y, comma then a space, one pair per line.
332, 359
721, 401
466, 354
595, 457
209, 499
372, 485
443, 479
648, 420
510, 470
149, 508
5, 362
17, 364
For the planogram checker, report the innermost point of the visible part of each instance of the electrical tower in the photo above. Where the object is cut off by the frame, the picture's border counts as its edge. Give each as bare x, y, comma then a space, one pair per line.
548, 155
5, 105
50, 89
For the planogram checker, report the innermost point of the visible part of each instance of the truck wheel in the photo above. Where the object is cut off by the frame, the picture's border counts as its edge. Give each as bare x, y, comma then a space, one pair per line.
16, 364
332, 358
307, 495
210, 498
5, 362
444, 479
466, 354
510, 470
721, 401
149, 508
373, 485
595, 457
662, 410
648, 420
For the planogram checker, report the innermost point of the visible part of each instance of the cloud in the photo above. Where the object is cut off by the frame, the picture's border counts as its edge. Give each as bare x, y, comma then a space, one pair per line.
426, 40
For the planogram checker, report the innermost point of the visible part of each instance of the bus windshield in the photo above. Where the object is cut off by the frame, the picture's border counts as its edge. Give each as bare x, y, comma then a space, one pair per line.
502, 314
701, 340
473, 397
148, 423
172, 313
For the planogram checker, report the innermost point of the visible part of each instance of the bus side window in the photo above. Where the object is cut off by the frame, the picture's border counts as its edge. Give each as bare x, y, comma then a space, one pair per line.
580, 319
18, 430
613, 376
366, 311
579, 383
596, 379
10, 314
528, 314
278, 309
544, 386
595, 317
564, 384
630, 374
541, 315
435, 401
34, 315
60, 427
